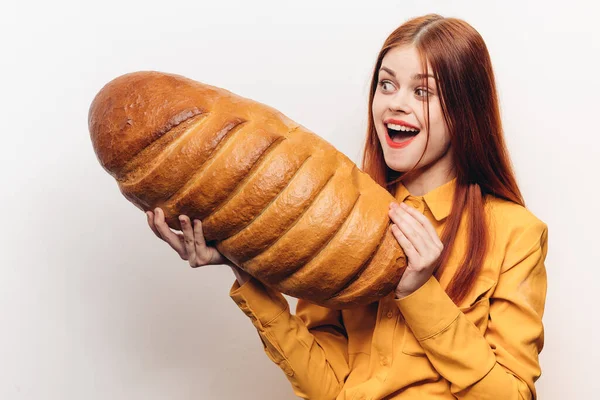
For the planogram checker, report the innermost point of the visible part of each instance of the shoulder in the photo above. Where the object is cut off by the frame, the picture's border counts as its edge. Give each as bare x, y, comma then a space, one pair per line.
514, 228
512, 217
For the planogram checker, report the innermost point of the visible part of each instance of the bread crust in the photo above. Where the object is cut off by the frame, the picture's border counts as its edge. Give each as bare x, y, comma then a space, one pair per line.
275, 198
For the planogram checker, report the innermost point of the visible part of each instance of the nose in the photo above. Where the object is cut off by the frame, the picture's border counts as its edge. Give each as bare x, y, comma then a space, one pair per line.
399, 102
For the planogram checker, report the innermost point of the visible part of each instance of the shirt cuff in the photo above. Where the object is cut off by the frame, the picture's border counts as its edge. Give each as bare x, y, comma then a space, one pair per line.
428, 310
259, 302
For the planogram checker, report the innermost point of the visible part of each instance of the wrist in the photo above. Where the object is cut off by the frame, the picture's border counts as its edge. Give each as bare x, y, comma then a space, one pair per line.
405, 292
399, 295
410, 284
241, 275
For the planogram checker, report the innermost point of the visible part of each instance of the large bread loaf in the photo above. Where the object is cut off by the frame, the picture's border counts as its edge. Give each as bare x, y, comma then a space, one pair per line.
276, 199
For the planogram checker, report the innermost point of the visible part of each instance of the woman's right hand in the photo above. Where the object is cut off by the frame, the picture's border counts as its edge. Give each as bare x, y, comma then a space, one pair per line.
191, 245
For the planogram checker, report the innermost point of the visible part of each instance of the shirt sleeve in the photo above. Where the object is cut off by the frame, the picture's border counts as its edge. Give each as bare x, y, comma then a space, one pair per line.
310, 347
502, 363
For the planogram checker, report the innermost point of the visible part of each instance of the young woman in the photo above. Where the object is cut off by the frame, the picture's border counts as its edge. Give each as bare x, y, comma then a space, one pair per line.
465, 321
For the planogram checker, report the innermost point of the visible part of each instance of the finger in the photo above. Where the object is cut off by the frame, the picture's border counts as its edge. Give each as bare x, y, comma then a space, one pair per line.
199, 235
410, 229
167, 234
424, 221
188, 239
407, 246
409, 219
200, 242
150, 216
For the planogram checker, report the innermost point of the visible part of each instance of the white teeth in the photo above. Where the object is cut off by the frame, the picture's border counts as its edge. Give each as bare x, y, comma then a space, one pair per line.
401, 128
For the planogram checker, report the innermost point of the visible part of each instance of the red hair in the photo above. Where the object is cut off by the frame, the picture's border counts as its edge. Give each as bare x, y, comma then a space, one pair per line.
465, 82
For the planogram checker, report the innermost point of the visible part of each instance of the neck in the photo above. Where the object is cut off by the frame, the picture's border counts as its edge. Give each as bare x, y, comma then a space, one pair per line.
428, 179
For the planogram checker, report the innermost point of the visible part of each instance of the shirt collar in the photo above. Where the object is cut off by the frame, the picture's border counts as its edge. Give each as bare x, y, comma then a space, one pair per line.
439, 200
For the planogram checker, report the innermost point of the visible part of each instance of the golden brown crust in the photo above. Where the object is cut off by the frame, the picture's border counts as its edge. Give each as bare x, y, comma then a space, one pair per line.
276, 199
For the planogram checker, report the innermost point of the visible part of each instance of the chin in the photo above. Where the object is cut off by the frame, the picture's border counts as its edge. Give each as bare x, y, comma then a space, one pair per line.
400, 166
405, 159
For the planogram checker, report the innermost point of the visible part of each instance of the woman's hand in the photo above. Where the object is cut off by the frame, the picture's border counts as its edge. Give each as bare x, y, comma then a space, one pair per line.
191, 245
421, 243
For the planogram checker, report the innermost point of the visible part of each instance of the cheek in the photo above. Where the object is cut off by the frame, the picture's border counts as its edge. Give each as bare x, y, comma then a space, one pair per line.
377, 117
439, 141
376, 108
438, 132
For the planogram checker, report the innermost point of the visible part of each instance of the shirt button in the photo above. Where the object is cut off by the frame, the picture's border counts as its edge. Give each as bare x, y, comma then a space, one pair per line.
415, 202
383, 360
390, 314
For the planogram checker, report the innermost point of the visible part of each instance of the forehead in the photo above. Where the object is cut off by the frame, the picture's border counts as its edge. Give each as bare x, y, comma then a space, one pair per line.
404, 61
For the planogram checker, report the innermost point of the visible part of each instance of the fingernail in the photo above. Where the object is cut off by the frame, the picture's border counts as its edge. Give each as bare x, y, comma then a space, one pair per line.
403, 205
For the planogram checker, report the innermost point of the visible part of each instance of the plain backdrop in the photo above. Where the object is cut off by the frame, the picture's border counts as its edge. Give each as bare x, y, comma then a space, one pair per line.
94, 306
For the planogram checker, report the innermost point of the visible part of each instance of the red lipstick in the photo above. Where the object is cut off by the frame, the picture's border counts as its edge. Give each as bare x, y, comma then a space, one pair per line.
395, 145
389, 140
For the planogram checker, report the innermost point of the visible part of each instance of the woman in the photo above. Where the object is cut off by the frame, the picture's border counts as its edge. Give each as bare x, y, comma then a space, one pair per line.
465, 320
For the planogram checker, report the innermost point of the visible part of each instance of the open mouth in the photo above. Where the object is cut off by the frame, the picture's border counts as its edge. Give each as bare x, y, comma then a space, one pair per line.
399, 134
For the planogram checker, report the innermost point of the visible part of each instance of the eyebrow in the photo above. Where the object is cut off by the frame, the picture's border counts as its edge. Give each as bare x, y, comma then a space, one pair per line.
414, 77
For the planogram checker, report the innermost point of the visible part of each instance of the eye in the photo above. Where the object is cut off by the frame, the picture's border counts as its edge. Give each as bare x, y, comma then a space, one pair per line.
422, 92
383, 83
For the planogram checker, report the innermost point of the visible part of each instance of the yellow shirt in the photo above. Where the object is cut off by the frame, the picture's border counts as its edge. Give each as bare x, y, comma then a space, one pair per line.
423, 345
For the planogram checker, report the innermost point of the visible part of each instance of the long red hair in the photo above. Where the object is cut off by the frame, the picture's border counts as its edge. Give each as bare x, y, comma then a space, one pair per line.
465, 82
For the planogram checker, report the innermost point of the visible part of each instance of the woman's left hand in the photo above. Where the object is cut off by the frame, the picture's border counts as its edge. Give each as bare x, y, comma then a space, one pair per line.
421, 244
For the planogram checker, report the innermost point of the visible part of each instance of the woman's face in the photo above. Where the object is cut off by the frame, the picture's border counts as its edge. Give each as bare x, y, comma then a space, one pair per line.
399, 110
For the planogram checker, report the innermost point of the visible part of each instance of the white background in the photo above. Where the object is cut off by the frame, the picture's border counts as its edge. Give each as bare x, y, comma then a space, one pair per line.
94, 306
